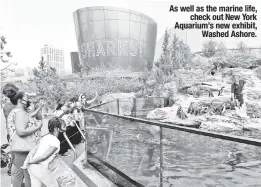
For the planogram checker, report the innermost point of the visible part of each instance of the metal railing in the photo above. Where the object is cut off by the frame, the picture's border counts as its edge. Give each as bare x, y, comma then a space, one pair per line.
67, 139
221, 136
71, 146
238, 139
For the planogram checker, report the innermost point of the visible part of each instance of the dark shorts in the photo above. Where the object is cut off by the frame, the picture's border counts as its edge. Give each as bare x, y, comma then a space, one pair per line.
240, 98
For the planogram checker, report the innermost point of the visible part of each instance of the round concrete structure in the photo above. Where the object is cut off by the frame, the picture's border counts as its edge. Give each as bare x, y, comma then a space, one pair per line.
115, 37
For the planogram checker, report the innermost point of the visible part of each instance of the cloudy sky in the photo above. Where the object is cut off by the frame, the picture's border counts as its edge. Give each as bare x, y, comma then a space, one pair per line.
29, 24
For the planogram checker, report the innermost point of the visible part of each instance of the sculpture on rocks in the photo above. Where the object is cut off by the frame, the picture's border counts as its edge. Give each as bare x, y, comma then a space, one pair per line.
181, 114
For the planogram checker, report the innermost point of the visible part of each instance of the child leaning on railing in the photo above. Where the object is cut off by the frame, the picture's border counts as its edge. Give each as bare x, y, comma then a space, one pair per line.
39, 158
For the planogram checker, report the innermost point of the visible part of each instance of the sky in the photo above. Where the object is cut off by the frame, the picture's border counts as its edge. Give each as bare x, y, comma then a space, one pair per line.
30, 24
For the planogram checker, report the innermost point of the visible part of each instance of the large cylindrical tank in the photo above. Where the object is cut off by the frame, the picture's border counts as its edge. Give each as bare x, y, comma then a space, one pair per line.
115, 37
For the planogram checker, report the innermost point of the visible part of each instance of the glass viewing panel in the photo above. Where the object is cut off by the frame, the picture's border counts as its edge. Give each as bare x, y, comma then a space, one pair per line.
136, 107
108, 107
130, 147
142, 106
196, 160
187, 159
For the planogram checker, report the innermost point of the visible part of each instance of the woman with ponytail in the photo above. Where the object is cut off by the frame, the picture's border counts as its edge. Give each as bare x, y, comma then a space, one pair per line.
9, 91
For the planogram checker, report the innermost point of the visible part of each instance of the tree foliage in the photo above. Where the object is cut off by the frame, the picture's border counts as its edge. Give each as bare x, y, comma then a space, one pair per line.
49, 86
183, 55
241, 46
221, 49
164, 62
209, 48
85, 71
175, 55
6, 63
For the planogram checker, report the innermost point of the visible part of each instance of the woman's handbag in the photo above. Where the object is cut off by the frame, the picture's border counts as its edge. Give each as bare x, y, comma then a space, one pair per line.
18, 143
22, 144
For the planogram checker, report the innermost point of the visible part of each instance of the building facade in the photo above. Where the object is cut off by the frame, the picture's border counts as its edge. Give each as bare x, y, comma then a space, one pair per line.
115, 37
53, 57
75, 62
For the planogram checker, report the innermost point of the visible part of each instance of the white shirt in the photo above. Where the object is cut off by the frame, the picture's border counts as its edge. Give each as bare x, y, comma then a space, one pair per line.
68, 118
57, 113
46, 142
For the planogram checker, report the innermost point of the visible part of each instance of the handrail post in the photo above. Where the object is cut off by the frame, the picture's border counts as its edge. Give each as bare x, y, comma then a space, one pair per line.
86, 146
86, 142
80, 131
71, 146
109, 147
118, 106
134, 109
161, 159
165, 102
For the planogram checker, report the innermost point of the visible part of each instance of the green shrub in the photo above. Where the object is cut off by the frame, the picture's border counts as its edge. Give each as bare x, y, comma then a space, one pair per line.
188, 77
103, 86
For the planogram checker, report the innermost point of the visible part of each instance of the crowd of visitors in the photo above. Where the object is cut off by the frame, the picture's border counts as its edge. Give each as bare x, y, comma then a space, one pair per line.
31, 151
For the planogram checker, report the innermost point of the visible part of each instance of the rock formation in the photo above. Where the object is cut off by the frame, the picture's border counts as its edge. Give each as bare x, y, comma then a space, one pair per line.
125, 103
207, 100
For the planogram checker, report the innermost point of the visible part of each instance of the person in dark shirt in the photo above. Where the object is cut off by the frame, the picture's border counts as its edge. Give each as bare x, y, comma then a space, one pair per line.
237, 90
61, 111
